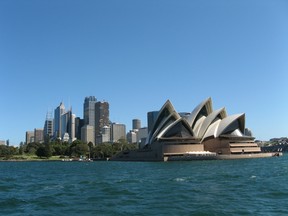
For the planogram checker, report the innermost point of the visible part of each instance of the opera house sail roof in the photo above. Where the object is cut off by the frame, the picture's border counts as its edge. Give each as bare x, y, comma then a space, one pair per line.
201, 123
211, 132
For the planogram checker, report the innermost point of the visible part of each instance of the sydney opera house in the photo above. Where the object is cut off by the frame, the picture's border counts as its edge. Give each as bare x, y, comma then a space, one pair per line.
202, 134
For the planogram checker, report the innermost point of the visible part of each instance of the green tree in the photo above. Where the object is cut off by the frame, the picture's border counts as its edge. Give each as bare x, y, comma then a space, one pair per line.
8, 151
4, 151
21, 148
60, 148
90, 145
44, 151
31, 148
78, 148
127, 146
105, 150
46, 139
95, 152
117, 147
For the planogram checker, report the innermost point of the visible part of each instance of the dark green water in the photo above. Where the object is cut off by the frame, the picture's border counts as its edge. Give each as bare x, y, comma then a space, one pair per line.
232, 187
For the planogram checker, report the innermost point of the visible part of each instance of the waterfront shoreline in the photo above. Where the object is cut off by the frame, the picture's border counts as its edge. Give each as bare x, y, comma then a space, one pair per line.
217, 157
30, 160
247, 156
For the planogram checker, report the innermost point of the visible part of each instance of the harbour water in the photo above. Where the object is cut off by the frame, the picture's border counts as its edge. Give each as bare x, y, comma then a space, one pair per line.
220, 187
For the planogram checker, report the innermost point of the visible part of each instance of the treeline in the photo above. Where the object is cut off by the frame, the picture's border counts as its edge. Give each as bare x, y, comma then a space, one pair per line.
8, 151
65, 149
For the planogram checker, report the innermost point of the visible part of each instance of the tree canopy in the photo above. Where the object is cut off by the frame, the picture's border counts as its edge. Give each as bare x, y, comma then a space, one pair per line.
58, 148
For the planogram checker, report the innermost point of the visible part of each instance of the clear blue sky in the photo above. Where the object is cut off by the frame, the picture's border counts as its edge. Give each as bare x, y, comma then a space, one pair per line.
138, 54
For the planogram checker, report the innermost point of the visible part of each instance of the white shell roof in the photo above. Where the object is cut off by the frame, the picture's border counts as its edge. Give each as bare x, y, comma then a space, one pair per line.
209, 120
208, 103
182, 120
205, 122
231, 123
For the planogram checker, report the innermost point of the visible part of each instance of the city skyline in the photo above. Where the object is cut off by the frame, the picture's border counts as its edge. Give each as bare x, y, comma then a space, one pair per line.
93, 126
138, 54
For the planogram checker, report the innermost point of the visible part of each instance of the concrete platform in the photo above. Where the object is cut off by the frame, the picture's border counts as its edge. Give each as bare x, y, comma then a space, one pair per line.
244, 156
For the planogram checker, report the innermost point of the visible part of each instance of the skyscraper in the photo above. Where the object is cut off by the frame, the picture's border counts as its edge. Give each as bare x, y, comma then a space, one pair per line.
104, 136
48, 127
136, 123
87, 134
101, 116
106, 133
118, 131
29, 137
79, 123
89, 116
68, 125
38, 135
58, 112
141, 136
132, 136
89, 111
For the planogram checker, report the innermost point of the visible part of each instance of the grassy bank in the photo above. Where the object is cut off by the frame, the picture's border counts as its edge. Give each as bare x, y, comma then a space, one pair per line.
28, 158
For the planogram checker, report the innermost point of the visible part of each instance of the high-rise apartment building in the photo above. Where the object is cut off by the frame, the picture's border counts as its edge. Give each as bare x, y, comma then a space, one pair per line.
105, 135
132, 136
29, 137
38, 135
48, 127
101, 117
79, 123
136, 124
64, 124
141, 136
87, 134
118, 131
71, 128
89, 114
58, 112
68, 125
89, 110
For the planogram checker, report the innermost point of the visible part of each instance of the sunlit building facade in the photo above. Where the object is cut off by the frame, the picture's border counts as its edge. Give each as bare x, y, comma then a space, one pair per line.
142, 136
118, 131
29, 137
132, 136
87, 134
38, 135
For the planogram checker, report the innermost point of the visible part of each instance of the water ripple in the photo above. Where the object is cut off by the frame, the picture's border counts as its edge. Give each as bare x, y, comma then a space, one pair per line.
241, 187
